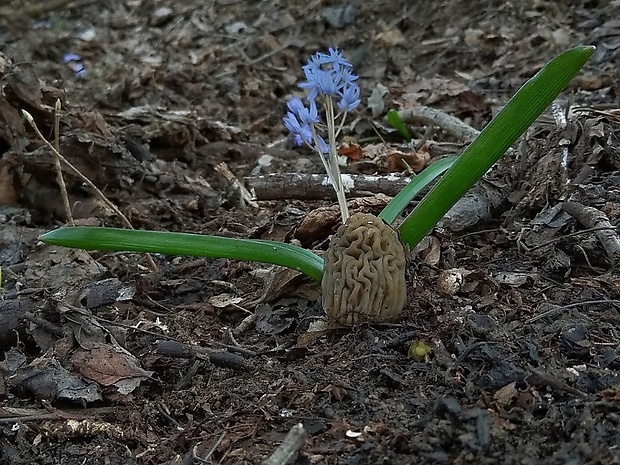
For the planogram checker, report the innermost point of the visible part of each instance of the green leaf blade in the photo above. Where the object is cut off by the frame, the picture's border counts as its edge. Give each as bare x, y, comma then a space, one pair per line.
393, 119
395, 206
186, 244
503, 130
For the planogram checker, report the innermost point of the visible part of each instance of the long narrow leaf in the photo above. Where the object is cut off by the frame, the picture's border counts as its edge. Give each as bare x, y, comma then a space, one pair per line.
413, 188
194, 245
507, 126
393, 118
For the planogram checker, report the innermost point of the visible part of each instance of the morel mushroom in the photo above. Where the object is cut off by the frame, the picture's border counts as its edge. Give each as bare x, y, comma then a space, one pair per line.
364, 274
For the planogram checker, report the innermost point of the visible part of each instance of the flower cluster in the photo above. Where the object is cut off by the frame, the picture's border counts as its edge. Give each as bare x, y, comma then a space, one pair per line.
329, 79
328, 76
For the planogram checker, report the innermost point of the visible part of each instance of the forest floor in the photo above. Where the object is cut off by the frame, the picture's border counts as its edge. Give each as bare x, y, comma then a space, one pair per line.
108, 361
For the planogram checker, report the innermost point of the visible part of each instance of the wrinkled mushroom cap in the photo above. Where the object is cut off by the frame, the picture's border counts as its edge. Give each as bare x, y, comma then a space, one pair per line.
364, 274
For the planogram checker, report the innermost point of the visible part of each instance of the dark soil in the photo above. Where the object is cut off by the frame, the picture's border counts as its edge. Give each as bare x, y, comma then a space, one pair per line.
209, 361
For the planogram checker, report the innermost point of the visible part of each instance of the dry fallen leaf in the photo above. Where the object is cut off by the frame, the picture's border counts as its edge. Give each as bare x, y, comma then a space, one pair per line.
429, 250
350, 149
109, 366
46, 379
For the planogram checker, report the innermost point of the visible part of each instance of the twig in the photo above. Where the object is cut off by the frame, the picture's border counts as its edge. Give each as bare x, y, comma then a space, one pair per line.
222, 169
540, 378
209, 454
42, 323
245, 325
45, 414
33, 10
265, 56
289, 448
557, 309
276, 186
559, 115
84, 179
203, 451
220, 358
552, 241
591, 217
204, 350
427, 115
60, 179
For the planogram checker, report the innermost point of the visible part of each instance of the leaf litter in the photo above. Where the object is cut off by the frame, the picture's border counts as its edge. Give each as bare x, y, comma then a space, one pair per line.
524, 348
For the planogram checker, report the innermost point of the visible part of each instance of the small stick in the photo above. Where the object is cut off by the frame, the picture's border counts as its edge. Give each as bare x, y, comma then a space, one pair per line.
230, 177
428, 115
33, 9
304, 186
222, 359
289, 448
561, 238
60, 179
28, 415
245, 325
44, 324
84, 179
540, 378
557, 309
207, 457
591, 217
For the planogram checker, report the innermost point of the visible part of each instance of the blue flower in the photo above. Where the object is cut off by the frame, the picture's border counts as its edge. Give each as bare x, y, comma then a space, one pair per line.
336, 59
292, 123
74, 61
295, 105
300, 115
327, 73
302, 132
71, 57
323, 146
314, 64
306, 134
321, 83
298, 140
79, 70
347, 76
350, 98
309, 115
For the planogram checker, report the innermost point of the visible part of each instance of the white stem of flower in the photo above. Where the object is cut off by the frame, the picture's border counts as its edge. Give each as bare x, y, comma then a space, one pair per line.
333, 160
341, 125
325, 162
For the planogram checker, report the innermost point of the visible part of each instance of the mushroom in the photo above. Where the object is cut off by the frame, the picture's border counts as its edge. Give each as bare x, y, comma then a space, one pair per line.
364, 273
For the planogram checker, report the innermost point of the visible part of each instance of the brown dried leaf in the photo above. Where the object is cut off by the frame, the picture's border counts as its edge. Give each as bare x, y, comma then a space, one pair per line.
12, 127
319, 223
429, 91
505, 395
8, 188
429, 250
389, 38
349, 148
384, 158
108, 366
416, 161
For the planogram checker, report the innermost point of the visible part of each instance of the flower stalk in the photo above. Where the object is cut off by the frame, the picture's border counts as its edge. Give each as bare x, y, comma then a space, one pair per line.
333, 161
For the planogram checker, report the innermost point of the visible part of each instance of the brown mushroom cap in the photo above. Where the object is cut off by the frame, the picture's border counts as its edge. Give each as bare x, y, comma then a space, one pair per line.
364, 274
